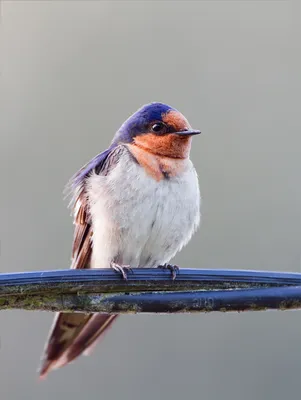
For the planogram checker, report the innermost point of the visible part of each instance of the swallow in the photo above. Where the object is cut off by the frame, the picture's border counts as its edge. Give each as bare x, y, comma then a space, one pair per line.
136, 204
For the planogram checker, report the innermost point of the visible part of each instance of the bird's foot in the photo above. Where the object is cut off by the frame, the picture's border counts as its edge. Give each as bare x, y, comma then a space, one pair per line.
174, 269
122, 269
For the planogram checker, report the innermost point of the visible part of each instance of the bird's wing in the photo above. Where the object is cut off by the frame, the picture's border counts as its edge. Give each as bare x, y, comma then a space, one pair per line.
73, 333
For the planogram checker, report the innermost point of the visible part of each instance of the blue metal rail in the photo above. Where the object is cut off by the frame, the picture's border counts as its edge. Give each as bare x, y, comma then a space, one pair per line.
150, 291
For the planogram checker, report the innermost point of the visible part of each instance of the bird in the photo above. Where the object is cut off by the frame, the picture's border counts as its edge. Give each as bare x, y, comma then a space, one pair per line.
134, 205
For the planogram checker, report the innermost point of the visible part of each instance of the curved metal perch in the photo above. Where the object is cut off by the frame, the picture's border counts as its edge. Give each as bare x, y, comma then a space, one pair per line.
150, 291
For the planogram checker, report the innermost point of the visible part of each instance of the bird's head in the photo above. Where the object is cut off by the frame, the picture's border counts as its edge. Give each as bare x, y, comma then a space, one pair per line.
159, 129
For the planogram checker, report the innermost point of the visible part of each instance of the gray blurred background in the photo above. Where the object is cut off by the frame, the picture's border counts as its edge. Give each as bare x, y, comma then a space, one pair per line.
72, 72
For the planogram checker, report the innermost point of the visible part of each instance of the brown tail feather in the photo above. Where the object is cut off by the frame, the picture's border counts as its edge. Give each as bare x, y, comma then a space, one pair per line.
72, 334
95, 329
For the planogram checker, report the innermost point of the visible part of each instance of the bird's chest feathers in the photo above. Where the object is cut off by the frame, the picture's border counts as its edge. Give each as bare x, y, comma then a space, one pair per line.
139, 219
161, 157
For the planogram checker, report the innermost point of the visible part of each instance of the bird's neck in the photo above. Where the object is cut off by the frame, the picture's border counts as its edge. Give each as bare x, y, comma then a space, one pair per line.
160, 162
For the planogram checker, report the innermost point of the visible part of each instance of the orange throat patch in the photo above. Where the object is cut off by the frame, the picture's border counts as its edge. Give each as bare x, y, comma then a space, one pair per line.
162, 157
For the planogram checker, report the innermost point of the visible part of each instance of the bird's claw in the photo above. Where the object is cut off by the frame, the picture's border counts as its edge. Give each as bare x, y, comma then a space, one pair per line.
173, 268
122, 269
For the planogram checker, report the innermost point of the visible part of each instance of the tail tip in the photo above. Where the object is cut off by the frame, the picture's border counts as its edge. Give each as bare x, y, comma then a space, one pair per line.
46, 367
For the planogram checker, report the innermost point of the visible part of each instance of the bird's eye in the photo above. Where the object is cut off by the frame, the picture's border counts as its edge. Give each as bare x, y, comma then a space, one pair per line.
158, 127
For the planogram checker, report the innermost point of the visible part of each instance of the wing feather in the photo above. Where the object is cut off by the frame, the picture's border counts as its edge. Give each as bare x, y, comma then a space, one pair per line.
73, 333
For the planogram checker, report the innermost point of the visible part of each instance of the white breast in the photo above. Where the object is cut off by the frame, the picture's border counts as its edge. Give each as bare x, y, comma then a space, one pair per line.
138, 221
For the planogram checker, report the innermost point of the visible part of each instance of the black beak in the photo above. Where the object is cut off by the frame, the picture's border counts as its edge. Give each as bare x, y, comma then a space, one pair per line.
188, 132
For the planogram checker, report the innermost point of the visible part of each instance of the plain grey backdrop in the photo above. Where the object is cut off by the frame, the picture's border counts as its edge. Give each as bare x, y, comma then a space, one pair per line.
71, 73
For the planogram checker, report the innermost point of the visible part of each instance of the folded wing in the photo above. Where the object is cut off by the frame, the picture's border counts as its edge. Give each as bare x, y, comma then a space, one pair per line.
74, 333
